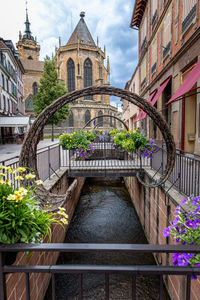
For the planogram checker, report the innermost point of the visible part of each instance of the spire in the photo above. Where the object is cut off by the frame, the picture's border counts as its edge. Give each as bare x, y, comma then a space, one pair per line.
108, 65
27, 32
81, 33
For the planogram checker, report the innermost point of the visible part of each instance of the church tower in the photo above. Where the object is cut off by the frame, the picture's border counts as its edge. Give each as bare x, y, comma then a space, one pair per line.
29, 52
27, 45
80, 64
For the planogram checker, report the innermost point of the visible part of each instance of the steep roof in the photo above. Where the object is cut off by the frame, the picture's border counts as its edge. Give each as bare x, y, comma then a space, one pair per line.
81, 33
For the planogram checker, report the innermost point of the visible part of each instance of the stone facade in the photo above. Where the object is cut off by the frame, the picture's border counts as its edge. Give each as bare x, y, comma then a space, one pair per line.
80, 63
29, 52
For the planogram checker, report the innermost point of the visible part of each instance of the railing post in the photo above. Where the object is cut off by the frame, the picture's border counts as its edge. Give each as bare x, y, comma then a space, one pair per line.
2, 280
49, 161
59, 149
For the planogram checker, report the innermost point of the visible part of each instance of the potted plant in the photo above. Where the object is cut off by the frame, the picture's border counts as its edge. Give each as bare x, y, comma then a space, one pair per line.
22, 219
185, 229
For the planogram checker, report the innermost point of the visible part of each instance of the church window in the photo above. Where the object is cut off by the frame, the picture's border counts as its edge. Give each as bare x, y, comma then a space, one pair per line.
35, 88
70, 75
88, 75
71, 119
87, 116
100, 115
78, 69
100, 72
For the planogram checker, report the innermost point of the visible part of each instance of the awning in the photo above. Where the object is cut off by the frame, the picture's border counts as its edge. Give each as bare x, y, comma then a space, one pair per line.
148, 100
188, 83
159, 92
14, 122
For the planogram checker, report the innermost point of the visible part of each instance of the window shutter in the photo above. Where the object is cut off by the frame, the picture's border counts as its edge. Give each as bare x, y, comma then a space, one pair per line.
143, 69
187, 7
154, 51
154, 7
143, 28
167, 28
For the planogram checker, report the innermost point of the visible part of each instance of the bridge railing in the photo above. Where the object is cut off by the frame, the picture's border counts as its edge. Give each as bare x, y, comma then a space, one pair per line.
105, 160
107, 270
186, 173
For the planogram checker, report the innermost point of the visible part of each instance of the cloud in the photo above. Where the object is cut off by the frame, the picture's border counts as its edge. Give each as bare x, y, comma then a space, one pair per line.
109, 20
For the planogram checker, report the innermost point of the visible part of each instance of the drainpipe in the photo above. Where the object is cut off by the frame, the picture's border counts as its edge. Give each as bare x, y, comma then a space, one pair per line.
183, 126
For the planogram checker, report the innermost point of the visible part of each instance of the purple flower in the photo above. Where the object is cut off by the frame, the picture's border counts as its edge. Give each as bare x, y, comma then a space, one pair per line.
175, 257
175, 222
197, 209
166, 232
184, 201
195, 223
183, 260
195, 201
188, 223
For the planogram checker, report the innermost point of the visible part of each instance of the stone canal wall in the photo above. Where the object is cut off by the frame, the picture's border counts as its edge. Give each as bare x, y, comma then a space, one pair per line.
15, 283
155, 209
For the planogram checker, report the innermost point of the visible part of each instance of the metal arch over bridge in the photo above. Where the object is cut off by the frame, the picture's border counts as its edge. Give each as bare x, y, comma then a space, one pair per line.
28, 157
106, 116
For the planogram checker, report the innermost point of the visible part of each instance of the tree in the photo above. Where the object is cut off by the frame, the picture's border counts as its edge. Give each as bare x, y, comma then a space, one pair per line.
50, 89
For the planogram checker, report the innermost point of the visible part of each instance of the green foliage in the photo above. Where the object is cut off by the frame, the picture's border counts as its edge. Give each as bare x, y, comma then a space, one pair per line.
50, 89
113, 132
128, 145
72, 141
119, 138
21, 218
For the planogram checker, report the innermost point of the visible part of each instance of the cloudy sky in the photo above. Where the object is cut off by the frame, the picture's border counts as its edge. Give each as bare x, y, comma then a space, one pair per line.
107, 19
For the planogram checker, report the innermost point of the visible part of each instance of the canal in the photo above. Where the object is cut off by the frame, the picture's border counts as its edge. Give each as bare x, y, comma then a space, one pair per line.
105, 214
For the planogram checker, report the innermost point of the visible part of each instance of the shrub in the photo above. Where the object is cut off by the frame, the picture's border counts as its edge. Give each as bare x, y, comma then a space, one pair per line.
21, 218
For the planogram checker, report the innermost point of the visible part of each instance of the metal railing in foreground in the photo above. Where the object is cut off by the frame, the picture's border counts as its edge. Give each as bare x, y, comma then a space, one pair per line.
48, 161
107, 270
186, 173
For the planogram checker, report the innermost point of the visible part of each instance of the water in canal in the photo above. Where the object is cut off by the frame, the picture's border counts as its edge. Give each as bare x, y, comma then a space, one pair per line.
105, 214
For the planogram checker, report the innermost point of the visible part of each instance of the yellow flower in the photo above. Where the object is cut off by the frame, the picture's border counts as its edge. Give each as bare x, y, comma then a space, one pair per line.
11, 197
38, 182
64, 221
61, 208
7, 182
30, 176
64, 215
22, 191
18, 198
2, 175
2, 181
19, 178
16, 193
21, 170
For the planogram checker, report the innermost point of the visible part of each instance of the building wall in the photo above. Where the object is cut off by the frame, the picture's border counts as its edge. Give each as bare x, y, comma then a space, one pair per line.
170, 31
29, 78
130, 111
155, 210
